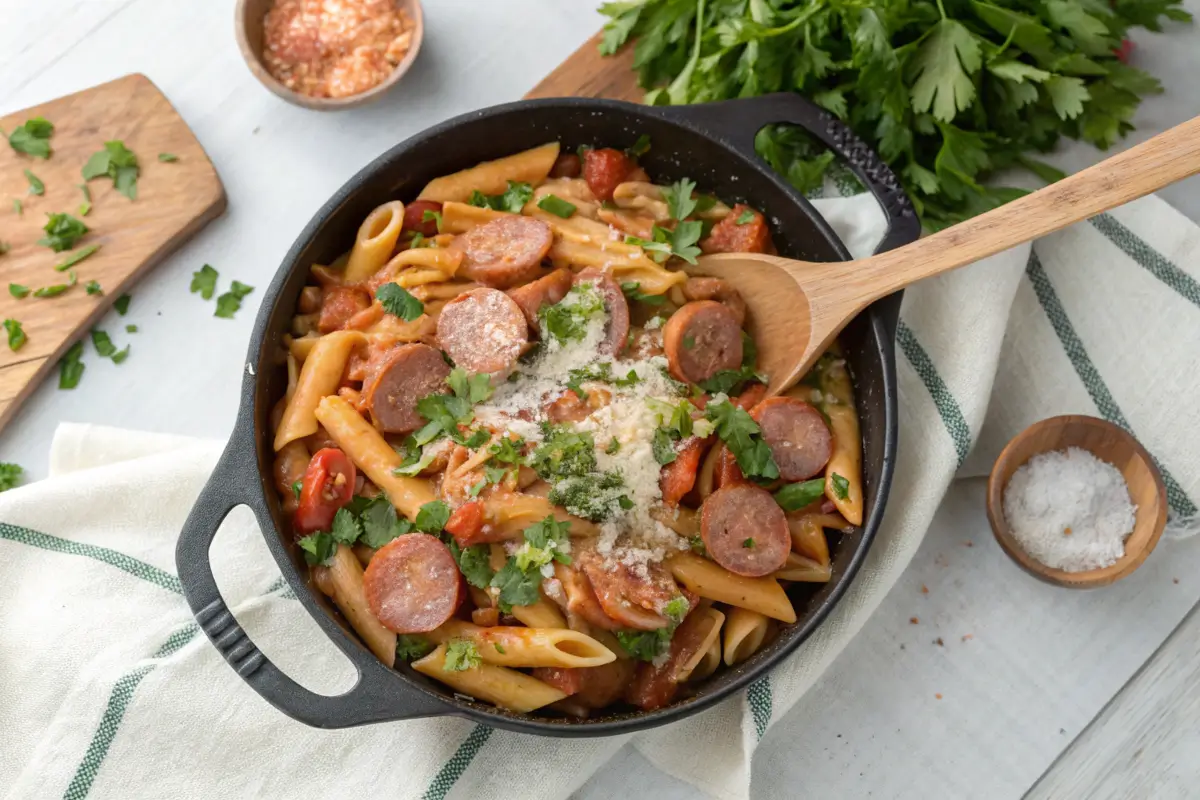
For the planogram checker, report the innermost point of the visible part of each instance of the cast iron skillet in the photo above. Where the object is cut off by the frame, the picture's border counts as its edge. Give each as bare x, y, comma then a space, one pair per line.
712, 144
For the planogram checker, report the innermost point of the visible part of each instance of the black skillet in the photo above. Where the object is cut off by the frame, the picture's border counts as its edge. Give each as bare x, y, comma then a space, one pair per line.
712, 144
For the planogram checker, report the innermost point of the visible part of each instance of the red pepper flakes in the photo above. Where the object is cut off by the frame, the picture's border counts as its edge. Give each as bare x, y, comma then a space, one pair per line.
924, 589
914, 620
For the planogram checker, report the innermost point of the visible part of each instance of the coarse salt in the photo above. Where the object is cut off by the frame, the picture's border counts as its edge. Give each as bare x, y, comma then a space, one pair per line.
1070, 510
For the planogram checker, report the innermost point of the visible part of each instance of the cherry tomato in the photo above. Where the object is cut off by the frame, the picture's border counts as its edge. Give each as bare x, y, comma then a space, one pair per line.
414, 217
328, 485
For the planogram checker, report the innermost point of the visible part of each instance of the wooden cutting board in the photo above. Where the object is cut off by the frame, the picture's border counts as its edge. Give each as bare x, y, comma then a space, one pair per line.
586, 73
174, 200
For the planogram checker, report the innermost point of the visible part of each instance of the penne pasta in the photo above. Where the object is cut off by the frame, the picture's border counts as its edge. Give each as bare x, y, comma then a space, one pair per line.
708, 468
682, 520
509, 515
374, 456
846, 461
574, 190
443, 261
492, 177
375, 242
647, 198
709, 663
710, 580
808, 537
301, 347
345, 581
527, 647
804, 570
500, 686
319, 377
460, 217
744, 633
712, 635
625, 266
542, 614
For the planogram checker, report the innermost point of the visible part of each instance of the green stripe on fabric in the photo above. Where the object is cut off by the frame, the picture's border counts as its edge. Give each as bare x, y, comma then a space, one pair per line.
758, 694
136, 568
1153, 261
114, 712
943, 400
1180, 503
453, 769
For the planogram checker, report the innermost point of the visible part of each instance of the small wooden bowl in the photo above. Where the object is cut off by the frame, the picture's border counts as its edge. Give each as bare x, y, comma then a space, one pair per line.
1109, 443
248, 20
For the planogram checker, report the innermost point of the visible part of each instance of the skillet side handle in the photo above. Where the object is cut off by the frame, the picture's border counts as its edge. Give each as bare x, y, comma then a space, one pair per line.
377, 695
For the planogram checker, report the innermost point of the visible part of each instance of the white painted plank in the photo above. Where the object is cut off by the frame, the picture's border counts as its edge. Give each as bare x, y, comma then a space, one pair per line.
1146, 742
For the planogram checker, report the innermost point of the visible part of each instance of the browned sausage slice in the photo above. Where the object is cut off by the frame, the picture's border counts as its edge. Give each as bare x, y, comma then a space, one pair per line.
412, 584
797, 434
615, 304
701, 339
745, 531
401, 378
700, 288
545, 291
504, 252
483, 331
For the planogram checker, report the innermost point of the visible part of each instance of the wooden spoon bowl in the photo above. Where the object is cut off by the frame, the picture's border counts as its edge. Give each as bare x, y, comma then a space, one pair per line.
1107, 442
248, 21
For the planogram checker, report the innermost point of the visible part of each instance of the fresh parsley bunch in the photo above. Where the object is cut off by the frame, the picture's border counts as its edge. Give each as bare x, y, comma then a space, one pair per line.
948, 92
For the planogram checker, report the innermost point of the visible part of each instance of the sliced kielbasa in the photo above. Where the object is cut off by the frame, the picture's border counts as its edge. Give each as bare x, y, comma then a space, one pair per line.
716, 289
338, 305
412, 584
615, 304
414, 217
483, 331
745, 530
604, 170
730, 236
581, 598
400, 378
545, 291
797, 434
701, 339
505, 251
633, 597
567, 165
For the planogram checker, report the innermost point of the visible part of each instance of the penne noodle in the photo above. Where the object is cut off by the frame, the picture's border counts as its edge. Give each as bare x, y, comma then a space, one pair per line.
682, 520
808, 537
709, 663
832, 520
374, 456
366, 318
542, 614
708, 468
346, 581
744, 633
804, 570
319, 377
300, 348
846, 460
461, 217
510, 514
574, 190
607, 639
293, 373
713, 581
363, 553
492, 177
443, 291
627, 222
331, 275
648, 198
412, 278
527, 647
305, 324
500, 686
375, 242
445, 262
713, 620
390, 329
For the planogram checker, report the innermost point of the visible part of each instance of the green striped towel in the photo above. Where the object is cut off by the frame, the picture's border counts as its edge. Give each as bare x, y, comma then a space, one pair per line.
111, 692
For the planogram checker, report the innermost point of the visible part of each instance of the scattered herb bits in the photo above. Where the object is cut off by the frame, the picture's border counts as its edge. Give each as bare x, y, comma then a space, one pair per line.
62, 232
93, 287
168, 158
10, 476
35, 183
18, 207
121, 304
85, 207
33, 138
399, 302
131, 328
231, 301
204, 281
70, 367
16, 335
556, 206
118, 162
74, 258
18, 291
106, 349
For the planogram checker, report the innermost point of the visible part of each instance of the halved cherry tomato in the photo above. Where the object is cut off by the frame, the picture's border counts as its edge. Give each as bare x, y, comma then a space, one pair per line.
328, 485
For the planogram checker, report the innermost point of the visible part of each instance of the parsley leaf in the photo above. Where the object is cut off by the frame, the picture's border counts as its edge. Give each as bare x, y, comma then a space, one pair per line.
445, 413
646, 645
678, 197
231, 301
640, 147
795, 496
461, 654
106, 349
567, 320
117, 162
745, 218
33, 137
613, 447
16, 336
62, 232
35, 183
380, 523
318, 548
841, 486
10, 475
297, 487
508, 450
474, 562
743, 437
475, 388
346, 528
556, 206
168, 158
663, 447
121, 304
204, 281
399, 302
410, 647
512, 200
943, 67
70, 367
17, 290
680, 242
432, 517
74, 258
517, 588
633, 291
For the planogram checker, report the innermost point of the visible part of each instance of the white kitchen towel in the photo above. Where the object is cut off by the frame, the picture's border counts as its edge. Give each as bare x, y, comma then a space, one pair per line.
110, 691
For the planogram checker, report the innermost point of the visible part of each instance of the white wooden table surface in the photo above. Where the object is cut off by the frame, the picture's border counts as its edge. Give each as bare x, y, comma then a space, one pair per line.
1042, 692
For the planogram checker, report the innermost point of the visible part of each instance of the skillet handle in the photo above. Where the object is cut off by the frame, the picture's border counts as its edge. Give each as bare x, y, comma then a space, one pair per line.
377, 696
739, 121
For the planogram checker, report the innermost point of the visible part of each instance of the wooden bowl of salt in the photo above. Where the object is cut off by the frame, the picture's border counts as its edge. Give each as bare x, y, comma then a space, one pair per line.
1076, 501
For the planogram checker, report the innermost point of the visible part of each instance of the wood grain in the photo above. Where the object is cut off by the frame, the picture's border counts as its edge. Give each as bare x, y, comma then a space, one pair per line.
586, 73
1109, 443
174, 200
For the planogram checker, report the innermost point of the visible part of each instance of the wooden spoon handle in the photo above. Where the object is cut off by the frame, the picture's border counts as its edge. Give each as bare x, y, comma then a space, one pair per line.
1168, 157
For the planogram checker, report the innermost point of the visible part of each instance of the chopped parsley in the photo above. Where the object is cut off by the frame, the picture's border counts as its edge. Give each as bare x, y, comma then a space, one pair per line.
86, 206
399, 302
475, 388
556, 206
594, 496
564, 453
745, 218
474, 562
512, 199
663, 447
18, 209
128, 328
121, 304
231, 301
518, 580
500, 649
678, 196
665, 243
318, 548
70, 367
640, 147
204, 281
74, 258
107, 349
10, 475
602, 372
429, 215
17, 290
16, 336
346, 528
461, 654
743, 437
62, 232
697, 544
646, 645
58, 288
297, 487
731, 381
168, 158
33, 137
613, 447
567, 320
35, 183
633, 291
795, 496
410, 647
432, 517
677, 609
841, 486
508, 450
118, 162
748, 543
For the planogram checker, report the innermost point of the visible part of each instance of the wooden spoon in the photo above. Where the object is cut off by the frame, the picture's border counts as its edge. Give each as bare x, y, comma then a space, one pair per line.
798, 307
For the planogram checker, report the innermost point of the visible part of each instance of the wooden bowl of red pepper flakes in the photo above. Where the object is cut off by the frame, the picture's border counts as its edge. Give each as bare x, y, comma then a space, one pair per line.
328, 55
